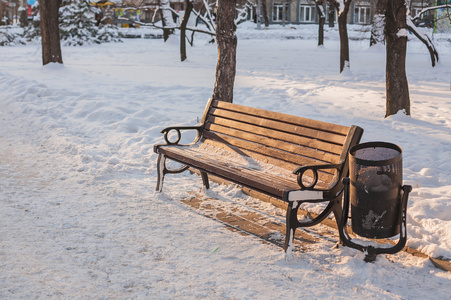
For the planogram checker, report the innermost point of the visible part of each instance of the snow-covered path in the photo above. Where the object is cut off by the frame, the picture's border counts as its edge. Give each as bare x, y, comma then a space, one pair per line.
79, 217
43, 234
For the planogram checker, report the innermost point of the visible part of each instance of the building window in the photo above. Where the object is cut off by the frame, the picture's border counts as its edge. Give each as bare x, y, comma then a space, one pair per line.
362, 15
280, 11
307, 13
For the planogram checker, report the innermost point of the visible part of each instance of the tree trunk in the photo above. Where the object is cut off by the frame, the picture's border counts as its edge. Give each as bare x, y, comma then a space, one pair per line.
265, 13
23, 13
227, 43
342, 11
51, 47
23, 18
166, 19
331, 17
322, 20
396, 43
188, 9
378, 23
2, 12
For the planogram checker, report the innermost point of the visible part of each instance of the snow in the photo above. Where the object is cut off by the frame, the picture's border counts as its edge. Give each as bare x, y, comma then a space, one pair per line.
402, 33
80, 217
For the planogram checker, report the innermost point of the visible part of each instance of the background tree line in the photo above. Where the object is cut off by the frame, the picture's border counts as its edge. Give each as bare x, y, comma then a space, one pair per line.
391, 14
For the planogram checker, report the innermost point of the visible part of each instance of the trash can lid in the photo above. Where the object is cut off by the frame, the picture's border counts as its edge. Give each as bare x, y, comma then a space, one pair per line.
375, 153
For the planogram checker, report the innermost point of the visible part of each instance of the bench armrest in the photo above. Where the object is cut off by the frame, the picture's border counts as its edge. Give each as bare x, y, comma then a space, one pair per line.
178, 130
314, 168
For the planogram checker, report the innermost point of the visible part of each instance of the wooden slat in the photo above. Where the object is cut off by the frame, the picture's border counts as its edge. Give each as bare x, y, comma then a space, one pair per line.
275, 143
324, 175
271, 133
287, 181
229, 172
281, 116
281, 126
257, 179
267, 151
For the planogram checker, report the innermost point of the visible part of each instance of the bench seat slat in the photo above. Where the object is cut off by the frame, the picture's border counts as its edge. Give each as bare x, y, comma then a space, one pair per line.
324, 175
260, 179
231, 172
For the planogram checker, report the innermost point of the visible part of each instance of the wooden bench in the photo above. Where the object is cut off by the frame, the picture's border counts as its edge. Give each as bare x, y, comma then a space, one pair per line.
290, 158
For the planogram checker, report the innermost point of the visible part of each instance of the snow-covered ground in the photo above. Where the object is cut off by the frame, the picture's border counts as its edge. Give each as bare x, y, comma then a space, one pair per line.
79, 217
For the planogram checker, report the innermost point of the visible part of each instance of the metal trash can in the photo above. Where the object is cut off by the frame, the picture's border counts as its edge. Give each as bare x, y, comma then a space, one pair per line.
375, 171
377, 198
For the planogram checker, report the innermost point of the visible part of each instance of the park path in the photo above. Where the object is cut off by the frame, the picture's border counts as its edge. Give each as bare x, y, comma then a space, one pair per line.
50, 232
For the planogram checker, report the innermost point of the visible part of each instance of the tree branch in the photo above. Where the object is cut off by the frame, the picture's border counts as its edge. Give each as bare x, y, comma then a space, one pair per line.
424, 38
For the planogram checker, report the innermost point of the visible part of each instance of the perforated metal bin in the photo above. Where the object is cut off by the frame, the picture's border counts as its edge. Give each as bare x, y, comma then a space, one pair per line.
377, 197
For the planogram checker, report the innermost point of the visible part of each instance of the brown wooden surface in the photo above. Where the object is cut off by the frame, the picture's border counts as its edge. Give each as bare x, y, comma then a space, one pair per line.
239, 173
279, 125
273, 141
280, 116
264, 150
324, 175
277, 139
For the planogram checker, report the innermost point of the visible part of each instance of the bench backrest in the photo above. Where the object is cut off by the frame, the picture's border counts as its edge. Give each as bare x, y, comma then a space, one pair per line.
280, 139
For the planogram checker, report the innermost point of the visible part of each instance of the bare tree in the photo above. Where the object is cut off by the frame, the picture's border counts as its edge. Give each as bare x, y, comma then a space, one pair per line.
23, 13
50, 37
378, 23
166, 18
265, 13
321, 19
188, 10
227, 42
396, 43
342, 8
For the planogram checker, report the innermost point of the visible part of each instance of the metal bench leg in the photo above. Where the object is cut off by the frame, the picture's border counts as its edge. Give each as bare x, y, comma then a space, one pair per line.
160, 172
291, 223
205, 180
337, 210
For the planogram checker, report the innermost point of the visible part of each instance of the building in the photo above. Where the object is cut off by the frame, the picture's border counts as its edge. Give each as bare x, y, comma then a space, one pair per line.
283, 11
360, 12
8, 11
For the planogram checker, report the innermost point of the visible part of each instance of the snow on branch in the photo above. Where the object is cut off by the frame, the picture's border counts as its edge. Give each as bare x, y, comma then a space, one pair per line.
425, 10
208, 8
243, 12
424, 38
207, 17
